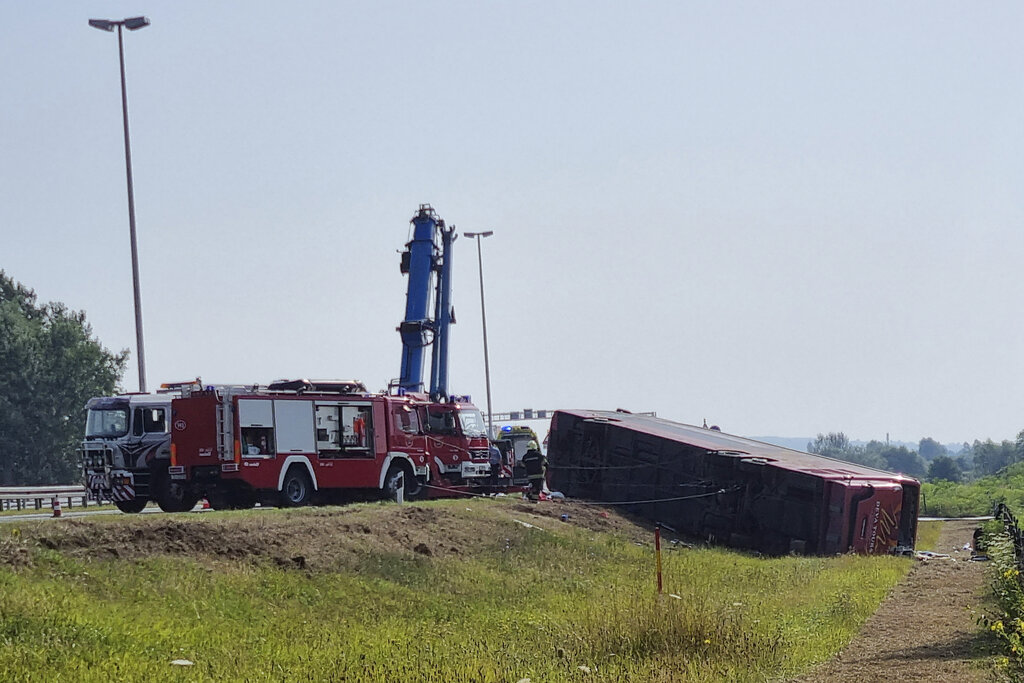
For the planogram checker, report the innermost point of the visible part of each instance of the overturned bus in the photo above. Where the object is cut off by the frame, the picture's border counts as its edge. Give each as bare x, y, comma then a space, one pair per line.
728, 489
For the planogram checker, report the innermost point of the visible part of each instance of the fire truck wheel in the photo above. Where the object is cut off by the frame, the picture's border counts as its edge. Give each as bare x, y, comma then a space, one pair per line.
131, 506
414, 488
398, 473
296, 488
171, 496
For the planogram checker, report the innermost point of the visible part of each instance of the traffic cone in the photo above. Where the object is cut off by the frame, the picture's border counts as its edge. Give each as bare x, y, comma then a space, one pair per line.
56, 506
206, 504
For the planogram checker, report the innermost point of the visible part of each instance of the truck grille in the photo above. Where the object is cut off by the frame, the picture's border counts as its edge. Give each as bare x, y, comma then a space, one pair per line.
96, 458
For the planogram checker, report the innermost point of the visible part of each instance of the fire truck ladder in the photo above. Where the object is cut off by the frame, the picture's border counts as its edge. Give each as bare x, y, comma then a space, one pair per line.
225, 445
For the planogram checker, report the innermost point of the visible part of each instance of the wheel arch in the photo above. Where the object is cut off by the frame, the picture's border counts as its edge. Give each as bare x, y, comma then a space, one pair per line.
293, 460
396, 458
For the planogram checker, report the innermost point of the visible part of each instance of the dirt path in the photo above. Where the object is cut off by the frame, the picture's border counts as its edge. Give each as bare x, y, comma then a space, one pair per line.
925, 630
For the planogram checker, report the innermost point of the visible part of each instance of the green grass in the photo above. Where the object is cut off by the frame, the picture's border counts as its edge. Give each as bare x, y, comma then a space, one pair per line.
928, 536
1005, 620
525, 603
977, 498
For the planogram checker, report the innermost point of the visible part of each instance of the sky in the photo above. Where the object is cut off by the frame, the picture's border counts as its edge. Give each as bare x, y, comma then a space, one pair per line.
784, 218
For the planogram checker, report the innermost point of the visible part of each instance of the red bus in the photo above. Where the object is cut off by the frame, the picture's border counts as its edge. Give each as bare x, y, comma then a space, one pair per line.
729, 489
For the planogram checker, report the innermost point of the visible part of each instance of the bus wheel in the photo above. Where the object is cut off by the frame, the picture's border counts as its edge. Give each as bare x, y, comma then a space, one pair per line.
296, 489
131, 506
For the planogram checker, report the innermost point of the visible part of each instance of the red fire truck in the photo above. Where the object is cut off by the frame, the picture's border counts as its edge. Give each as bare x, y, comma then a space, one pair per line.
290, 441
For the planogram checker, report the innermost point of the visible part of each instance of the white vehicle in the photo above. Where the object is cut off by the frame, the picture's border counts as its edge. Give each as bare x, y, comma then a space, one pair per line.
126, 452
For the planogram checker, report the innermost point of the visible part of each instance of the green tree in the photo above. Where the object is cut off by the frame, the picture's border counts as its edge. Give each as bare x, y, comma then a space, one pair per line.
945, 468
837, 445
990, 457
50, 365
929, 449
901, 459
832, 444
1018, 447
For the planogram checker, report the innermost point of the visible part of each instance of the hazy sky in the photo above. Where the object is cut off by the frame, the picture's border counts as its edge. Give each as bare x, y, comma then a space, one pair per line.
786, 218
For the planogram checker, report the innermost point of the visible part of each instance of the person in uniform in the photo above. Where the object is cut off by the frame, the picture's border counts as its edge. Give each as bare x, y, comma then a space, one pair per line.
536, 468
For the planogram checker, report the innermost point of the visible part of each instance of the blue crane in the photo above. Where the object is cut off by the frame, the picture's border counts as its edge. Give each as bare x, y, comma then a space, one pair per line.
427, 255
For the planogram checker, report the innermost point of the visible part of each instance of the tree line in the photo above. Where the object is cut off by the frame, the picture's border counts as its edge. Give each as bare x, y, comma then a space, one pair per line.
50, 365
931, 461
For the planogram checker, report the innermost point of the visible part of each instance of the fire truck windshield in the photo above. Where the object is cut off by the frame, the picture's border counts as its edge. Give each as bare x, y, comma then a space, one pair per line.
106, 423
472, 422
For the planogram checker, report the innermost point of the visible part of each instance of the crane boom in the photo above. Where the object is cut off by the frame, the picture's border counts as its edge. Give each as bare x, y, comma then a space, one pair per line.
429, 253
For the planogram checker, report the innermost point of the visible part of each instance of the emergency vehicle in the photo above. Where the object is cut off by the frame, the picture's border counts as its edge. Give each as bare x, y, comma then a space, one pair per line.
126, 452
289, 442
512, 441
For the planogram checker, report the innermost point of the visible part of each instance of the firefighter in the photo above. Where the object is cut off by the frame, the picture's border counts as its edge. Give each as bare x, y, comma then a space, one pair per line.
536, 468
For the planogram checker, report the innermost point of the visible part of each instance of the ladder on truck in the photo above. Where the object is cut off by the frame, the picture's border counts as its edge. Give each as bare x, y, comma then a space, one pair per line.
225, 421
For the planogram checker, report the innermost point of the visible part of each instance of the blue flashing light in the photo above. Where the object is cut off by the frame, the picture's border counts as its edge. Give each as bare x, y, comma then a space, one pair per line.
507, 428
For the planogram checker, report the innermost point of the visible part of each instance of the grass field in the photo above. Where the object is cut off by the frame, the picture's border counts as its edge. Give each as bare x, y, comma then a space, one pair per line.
557, 603
928, 535
976, 498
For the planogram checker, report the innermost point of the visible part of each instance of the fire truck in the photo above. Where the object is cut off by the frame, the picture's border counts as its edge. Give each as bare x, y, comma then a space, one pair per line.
290, 442
126, 452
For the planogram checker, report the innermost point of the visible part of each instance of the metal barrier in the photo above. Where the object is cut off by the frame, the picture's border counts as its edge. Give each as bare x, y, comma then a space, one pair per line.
1003, 514
41, 497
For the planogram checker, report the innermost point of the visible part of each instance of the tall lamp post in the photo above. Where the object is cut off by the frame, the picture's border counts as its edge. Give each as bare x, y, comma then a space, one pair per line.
483, 318
132, 24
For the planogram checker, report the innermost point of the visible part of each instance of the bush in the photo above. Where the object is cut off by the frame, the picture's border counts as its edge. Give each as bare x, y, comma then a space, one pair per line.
1007, 624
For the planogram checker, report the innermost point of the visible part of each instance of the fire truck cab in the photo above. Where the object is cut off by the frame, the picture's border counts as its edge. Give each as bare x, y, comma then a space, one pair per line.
285, 443
126, 452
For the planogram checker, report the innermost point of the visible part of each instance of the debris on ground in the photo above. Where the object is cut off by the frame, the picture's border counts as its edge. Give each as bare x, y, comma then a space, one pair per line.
527, 524
929, 555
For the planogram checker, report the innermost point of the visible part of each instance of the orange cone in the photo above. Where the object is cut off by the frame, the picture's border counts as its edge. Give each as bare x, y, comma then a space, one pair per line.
206, 504
56, 506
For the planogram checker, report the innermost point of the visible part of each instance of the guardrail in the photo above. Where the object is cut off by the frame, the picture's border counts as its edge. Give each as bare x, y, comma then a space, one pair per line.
1013, 530
41, 497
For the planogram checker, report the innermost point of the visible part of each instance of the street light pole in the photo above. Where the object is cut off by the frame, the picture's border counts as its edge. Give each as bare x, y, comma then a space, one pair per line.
483, 318
133, 24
